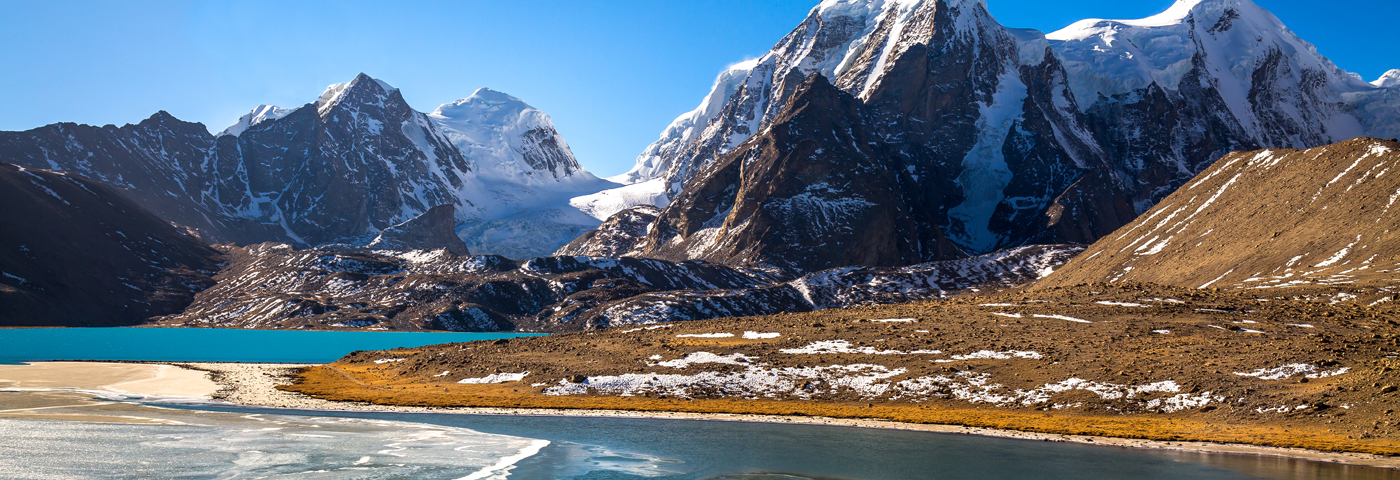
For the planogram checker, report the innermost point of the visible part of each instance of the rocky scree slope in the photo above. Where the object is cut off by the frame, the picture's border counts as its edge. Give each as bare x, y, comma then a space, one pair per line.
277, 286
274, 285
1001, 136
840, 288
73, 252
1277, 221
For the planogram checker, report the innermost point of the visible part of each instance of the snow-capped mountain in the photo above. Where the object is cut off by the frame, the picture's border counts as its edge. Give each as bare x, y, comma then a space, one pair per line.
355, 162
1390, 79
658, 157
507, 137
343, 169
528, 195
994, 136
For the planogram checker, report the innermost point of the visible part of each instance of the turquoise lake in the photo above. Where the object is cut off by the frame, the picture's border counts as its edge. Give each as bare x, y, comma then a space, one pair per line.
208, 344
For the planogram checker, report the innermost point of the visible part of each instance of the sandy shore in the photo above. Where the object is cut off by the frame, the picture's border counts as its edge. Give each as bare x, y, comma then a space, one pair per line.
254, 385
73, 391
143, 379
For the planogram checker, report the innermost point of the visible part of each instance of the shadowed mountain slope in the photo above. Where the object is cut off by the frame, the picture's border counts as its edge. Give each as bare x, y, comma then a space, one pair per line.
75, 253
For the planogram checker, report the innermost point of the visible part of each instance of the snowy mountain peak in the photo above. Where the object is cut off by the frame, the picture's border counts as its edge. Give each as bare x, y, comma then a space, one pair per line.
1391, 79
488, 107
506, 136
653, 162
334, 93
1231, 45
261, 114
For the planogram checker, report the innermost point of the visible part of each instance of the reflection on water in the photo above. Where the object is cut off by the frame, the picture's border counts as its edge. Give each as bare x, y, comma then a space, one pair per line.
212, 441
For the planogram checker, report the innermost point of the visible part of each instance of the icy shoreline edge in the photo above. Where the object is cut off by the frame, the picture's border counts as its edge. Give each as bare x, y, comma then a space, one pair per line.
254, 385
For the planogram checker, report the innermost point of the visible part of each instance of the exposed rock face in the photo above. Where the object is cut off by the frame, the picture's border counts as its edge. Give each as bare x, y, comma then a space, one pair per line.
430, 231
616, 236
1000, 137
76, 253
357, 161
812, 191
1265, 219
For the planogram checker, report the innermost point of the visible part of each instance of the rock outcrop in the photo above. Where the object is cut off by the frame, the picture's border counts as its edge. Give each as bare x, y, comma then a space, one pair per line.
430, 231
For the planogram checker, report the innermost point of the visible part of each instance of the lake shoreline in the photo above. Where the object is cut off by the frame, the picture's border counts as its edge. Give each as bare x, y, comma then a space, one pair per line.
255, 385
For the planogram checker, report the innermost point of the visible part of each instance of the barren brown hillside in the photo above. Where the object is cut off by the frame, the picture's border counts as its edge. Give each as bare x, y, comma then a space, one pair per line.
1322, 221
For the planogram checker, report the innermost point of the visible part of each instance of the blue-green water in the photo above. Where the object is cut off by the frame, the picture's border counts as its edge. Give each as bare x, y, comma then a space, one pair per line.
208, 345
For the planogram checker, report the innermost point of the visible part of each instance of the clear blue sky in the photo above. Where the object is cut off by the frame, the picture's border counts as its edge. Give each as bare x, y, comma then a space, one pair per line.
612, 73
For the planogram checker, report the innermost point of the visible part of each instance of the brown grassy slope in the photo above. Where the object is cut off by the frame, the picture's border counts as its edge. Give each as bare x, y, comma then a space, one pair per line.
1212, 336
1322, 217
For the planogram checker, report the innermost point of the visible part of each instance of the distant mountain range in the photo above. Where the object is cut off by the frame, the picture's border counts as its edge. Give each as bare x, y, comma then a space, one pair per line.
343, 169
934, 132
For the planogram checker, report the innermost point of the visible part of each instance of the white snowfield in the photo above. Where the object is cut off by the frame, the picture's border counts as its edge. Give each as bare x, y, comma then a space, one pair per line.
706, 357
1121, 304
991, 355
1291, 370
495, 378
869, 382
844, 346
751, 335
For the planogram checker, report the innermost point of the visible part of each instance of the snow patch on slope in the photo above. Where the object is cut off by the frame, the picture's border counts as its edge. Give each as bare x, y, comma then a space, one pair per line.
261, 114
